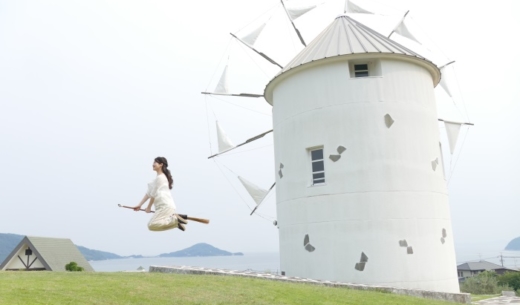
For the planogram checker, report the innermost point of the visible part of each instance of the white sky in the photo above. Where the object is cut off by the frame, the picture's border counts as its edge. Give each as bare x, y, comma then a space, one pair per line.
92, 91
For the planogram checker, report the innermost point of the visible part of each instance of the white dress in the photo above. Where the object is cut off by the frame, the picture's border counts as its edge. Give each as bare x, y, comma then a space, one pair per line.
164, 218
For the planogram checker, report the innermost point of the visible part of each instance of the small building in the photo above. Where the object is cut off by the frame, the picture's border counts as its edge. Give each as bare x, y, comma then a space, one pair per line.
44, 254
473, 268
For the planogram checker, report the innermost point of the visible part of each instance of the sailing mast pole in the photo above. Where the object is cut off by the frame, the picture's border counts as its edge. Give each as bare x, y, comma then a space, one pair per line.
246, 142
294, 26
258, 52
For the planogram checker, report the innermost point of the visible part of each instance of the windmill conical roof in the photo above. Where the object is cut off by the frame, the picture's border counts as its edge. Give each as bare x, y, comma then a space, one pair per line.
346, 36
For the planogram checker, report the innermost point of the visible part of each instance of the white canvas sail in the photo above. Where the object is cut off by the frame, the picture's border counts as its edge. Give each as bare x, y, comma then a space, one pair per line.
402, 30
444, 81
256, 193
452, 129
351, 7
222, 86
295, 13
251, 38
224, 143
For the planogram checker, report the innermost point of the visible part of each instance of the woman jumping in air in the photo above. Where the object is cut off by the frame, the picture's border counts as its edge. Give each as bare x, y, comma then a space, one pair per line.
159, 195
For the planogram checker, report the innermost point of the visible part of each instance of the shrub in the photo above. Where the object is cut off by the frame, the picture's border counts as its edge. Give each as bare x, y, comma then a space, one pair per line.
511, 279
484, 283
73, 266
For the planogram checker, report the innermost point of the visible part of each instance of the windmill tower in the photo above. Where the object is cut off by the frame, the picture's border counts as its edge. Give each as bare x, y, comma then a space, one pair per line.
361, 193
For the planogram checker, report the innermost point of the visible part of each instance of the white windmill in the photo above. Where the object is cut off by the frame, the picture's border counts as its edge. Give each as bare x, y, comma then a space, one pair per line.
361, 192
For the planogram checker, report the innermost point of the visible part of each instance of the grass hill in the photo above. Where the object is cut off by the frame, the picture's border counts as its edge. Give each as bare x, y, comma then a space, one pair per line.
201, 249
159, 288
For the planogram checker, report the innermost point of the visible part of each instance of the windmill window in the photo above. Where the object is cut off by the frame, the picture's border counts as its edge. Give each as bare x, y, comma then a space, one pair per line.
317, 166
361, 70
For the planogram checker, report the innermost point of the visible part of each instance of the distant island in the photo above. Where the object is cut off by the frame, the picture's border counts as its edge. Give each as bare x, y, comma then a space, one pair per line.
201, 249
513, 245
9, 241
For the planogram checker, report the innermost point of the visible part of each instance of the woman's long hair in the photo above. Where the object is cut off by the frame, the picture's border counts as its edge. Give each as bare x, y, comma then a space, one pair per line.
166, 171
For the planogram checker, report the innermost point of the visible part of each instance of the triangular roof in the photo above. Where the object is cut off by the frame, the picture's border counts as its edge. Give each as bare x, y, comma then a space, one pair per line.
481, 265
346, 36
53, 253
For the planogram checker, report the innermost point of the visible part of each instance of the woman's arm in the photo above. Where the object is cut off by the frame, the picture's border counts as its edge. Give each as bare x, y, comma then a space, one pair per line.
138, 207
149, 207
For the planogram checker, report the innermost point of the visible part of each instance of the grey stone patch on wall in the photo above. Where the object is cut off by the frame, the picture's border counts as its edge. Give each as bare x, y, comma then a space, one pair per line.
280, 171
362, 262
435, 163
307, 245
364, 258
341, 149
360, 266
309, 248
464, 298
444, 235
403, 243
334, 157
388, 120
409, 250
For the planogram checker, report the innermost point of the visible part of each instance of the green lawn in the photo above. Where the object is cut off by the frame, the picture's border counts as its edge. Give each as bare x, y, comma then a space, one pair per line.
480, 297
159, 288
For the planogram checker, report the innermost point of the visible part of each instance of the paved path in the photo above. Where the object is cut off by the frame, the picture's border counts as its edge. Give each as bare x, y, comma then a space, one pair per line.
499, 300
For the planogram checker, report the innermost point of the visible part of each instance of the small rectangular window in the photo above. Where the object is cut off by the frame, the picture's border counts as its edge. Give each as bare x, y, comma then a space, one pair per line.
361, 70
318, 166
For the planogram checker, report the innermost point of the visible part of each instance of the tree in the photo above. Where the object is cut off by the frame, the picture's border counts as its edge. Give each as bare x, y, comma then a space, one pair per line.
73, 266
484, 283
511, 279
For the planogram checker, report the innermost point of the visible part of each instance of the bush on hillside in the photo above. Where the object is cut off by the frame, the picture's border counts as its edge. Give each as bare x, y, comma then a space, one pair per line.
73, 266
511, 279
484, 283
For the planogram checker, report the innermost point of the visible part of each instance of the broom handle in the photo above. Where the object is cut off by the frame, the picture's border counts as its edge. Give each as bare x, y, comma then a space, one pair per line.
201, 220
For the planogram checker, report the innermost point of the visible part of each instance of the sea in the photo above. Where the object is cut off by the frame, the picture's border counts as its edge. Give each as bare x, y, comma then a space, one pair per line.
270, 262
262, 262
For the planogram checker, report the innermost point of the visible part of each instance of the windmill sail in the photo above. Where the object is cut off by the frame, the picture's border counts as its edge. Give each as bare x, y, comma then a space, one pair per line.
444, 79
251, 38
294, 26
350, 7
295, 13
222, 86
452, 129
256, 193
257, 52
246, 142
224, 143
402, 30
